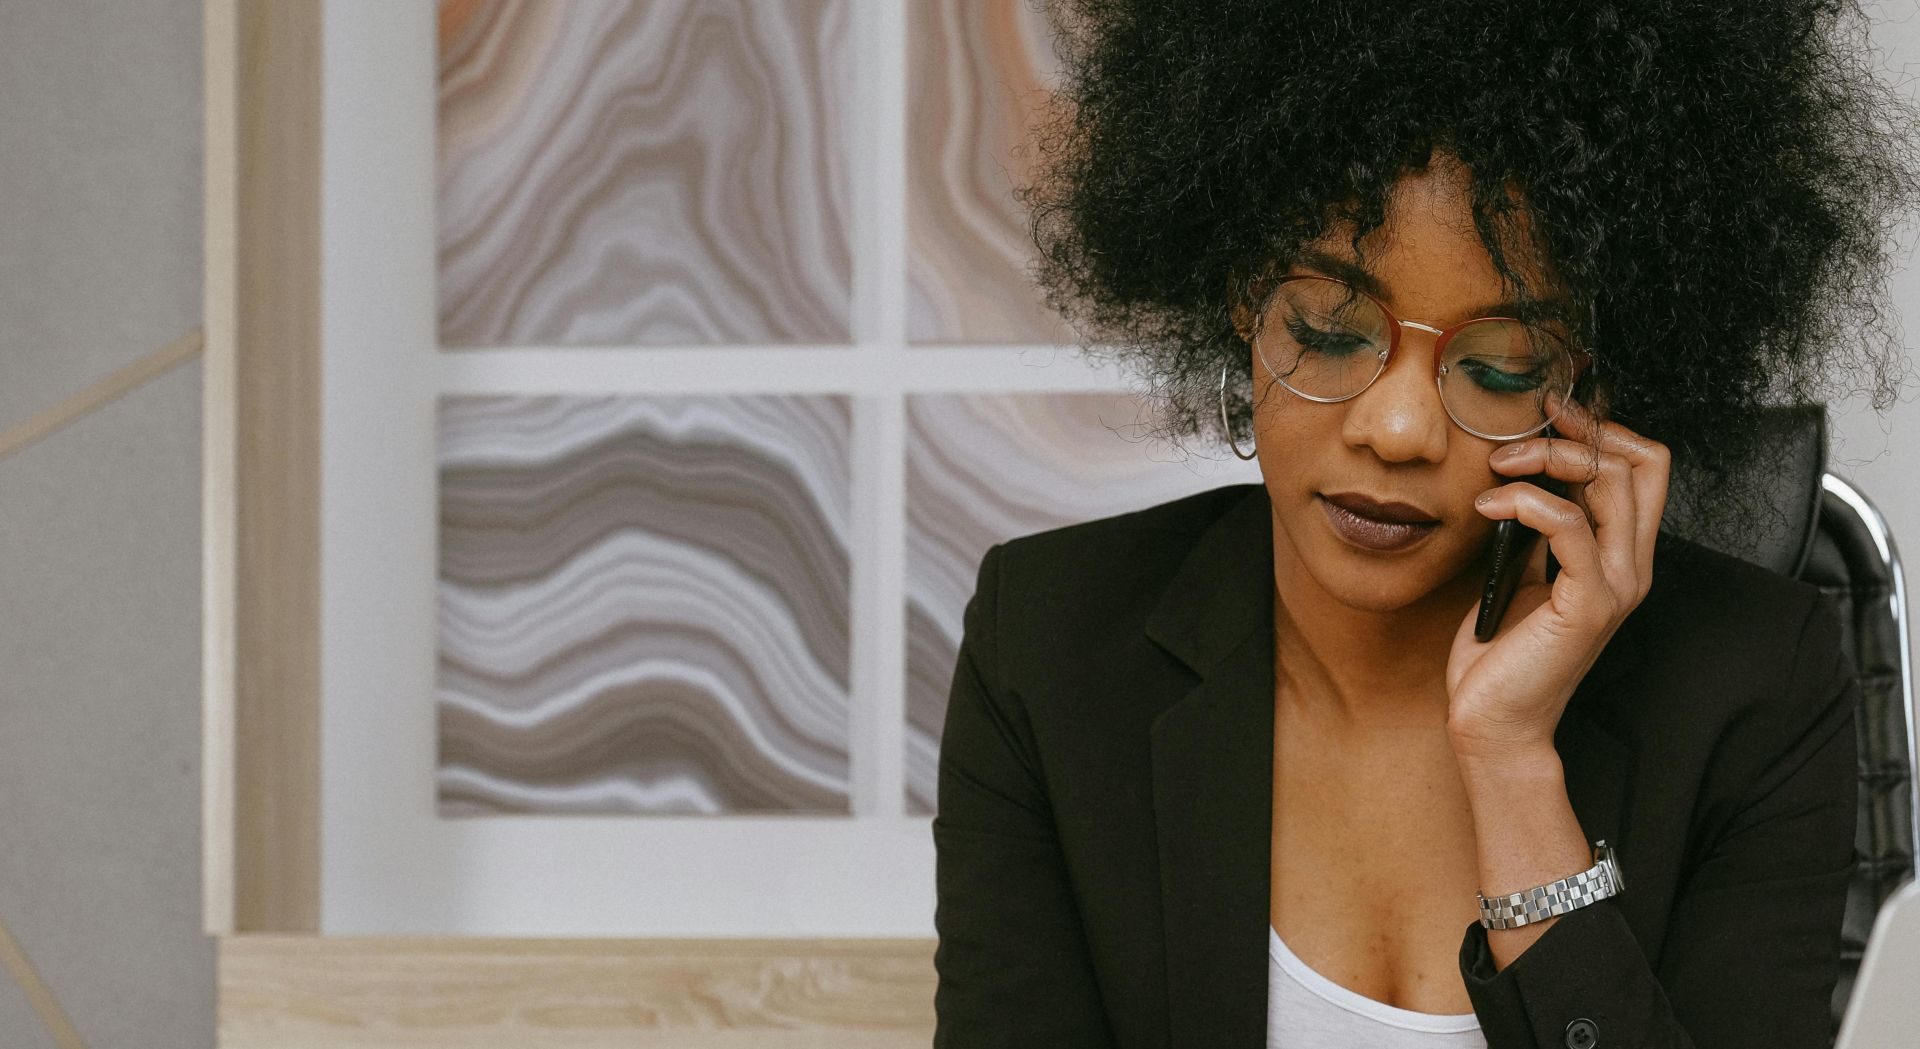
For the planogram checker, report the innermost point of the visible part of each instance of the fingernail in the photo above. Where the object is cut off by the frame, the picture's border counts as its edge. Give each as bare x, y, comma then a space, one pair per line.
1483, 498
1508, 451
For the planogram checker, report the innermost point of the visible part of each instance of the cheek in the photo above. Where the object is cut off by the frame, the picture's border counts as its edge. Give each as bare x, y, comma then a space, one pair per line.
1303, 431
1294, 460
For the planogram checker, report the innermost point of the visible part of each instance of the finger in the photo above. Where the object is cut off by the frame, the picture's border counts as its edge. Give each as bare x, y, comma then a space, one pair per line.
1651, 463
1602, 486
1567, 533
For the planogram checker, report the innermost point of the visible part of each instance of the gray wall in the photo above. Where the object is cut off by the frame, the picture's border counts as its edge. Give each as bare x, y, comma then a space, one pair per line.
100, 523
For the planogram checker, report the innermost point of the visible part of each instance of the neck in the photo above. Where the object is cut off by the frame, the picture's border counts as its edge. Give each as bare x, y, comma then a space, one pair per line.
1364, 666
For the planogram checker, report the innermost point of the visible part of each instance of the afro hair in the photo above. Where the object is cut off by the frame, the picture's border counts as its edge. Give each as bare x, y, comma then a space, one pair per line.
1713, 185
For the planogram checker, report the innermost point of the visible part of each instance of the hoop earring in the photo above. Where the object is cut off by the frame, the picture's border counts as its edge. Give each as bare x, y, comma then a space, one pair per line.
1227, 427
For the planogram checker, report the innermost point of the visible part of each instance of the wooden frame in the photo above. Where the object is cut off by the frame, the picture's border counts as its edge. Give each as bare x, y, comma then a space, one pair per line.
261, 557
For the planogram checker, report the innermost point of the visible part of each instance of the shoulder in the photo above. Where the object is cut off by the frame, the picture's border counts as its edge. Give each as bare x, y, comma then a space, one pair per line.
1713, 602
1081, 595
1734, 657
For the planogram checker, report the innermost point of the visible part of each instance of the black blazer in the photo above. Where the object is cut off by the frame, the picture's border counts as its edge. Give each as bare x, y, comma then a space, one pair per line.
1105, 803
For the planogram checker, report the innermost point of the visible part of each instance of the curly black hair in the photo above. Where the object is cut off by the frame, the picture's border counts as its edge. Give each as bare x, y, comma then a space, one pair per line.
1712, 183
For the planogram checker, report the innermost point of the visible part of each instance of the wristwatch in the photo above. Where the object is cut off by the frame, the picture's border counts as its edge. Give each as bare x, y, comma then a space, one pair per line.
1597, 882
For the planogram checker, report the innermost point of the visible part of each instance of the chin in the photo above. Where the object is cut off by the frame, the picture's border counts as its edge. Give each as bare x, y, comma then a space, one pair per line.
1375, 583
1375, 588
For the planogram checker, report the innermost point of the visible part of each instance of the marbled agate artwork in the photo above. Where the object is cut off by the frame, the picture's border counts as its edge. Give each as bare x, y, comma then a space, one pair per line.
673, 172
644, 599
982, 468
643, 605
978, 74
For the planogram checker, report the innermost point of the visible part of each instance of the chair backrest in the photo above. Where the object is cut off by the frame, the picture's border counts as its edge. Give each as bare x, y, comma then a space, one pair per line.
1835, 538
1854, 560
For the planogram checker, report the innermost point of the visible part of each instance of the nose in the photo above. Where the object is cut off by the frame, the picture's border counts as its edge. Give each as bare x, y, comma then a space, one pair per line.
1400, 415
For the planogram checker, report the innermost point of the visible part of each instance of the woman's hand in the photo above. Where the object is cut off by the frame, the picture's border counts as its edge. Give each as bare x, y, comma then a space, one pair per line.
1507, 694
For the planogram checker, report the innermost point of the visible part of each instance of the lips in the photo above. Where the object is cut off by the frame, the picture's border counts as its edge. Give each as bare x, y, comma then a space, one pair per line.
1389, 511
1372, 534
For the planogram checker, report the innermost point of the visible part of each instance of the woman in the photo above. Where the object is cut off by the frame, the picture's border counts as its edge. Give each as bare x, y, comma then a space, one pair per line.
1235, 769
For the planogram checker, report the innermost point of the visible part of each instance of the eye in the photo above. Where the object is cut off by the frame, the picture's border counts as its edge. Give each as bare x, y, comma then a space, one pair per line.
1503, 374
1331, 343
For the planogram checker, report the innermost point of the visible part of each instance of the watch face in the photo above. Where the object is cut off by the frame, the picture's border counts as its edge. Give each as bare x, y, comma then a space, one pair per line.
1613, 870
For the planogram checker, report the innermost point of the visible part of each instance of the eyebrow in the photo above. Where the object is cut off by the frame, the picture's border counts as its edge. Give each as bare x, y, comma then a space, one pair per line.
1554, 308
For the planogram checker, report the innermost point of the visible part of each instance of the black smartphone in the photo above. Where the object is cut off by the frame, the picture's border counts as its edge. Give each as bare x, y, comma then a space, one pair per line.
1509, 548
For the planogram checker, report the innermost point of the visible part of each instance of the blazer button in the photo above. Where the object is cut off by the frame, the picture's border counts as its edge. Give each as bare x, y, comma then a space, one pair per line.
1582, 1034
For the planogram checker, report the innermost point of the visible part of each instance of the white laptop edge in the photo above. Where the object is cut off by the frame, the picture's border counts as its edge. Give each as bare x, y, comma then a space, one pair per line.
1884, 1009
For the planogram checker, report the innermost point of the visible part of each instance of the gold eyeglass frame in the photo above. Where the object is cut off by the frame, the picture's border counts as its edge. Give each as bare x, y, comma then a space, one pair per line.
1581, 360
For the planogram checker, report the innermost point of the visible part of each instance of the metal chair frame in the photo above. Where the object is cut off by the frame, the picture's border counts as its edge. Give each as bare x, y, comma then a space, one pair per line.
1876, 525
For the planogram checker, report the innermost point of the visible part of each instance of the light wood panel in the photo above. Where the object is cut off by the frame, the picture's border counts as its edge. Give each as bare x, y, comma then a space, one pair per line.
261, 482
287, 992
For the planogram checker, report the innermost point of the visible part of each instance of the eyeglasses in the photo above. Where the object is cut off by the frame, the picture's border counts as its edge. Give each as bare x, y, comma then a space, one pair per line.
1328, 341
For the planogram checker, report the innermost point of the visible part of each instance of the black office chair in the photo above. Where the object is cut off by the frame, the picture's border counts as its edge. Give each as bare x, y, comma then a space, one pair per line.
1836, 539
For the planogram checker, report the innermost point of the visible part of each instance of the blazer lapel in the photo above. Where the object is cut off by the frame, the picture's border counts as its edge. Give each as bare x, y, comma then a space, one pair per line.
1212, 775
1213, 781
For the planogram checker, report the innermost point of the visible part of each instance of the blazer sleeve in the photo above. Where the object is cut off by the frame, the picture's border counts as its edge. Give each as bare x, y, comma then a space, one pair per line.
1752, 949
1011, 962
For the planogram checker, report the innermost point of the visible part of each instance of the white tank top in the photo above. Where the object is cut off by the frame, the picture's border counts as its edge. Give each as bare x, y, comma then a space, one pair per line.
1305, 1010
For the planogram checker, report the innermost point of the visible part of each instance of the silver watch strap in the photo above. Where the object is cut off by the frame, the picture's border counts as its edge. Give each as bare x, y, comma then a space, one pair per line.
1557, 897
